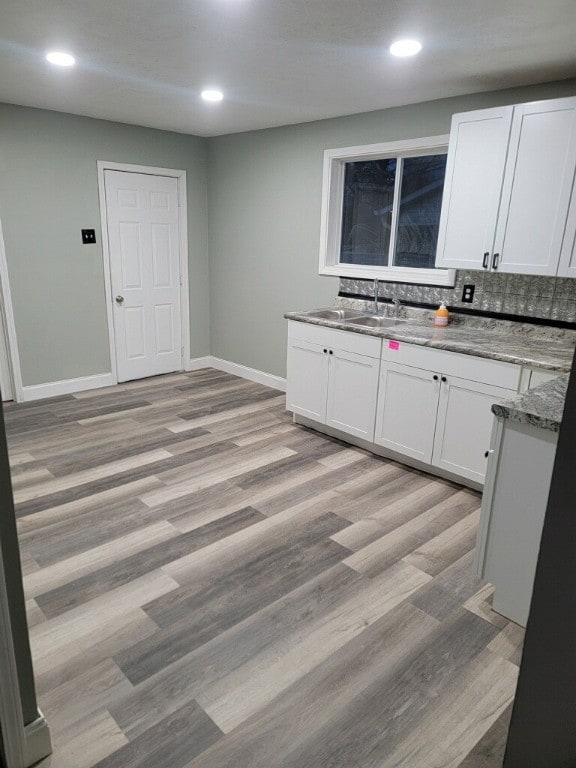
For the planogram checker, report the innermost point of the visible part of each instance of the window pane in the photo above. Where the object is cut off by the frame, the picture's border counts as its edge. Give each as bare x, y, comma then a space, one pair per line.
419, 215
367, 212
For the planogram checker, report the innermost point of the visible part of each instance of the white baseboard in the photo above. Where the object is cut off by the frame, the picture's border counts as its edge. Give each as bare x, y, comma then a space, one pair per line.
67, 386
83, 383
37, 738
252, 374
196, 363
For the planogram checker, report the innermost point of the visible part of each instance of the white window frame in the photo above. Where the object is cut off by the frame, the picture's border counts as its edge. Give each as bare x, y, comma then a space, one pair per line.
332, 202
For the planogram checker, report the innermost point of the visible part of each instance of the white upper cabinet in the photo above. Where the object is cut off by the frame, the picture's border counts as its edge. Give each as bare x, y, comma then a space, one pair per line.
537, 184
474, 174
522, 157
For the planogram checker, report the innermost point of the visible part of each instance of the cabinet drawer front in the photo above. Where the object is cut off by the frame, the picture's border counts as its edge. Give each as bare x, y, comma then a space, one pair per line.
348, 341
495, 372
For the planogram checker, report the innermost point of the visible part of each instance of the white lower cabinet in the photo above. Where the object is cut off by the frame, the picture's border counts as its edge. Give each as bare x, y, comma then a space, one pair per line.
436, 406
333, 378
429, 405
440, 420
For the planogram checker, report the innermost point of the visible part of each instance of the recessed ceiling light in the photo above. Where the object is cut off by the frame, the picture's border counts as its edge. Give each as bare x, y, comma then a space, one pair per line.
61, 59
405, 48
211, 94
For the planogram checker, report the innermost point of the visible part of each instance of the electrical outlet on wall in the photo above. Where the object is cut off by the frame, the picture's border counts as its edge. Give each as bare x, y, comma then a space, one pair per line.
88, 236
468, 294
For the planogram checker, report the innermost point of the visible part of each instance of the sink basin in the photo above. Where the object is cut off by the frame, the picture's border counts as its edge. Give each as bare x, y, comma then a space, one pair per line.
333, 314
375, 321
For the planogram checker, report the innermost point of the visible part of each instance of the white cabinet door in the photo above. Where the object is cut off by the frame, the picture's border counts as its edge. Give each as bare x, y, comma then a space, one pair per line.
567, 267
352, 391
513, 510
537, 186
474, 174
406, 411
307, 380
464, 426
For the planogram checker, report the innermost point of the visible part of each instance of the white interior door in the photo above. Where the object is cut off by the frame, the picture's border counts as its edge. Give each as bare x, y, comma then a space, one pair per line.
143, 240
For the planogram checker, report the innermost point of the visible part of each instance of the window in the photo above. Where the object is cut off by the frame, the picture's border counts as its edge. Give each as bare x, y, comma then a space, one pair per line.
381, 211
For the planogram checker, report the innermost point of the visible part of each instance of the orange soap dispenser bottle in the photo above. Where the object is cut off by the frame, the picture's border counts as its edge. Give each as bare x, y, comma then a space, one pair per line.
441, 317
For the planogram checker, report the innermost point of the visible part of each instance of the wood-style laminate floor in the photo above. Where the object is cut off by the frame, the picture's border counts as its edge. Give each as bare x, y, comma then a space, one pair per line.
211, 586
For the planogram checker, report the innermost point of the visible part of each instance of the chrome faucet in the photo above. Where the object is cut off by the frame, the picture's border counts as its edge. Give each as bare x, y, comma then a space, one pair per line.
397, 304
375, 307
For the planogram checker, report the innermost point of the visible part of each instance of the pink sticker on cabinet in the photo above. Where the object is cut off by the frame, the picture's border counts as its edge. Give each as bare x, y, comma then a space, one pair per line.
393, 345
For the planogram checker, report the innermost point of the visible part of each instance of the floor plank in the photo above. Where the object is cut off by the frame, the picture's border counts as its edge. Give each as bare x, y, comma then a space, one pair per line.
210, 585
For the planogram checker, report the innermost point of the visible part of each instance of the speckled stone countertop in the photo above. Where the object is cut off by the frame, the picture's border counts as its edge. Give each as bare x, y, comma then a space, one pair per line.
521, 343
542, 406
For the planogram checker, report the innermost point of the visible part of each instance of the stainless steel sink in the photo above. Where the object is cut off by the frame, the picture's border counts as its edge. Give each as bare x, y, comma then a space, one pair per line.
375, 321
334, 314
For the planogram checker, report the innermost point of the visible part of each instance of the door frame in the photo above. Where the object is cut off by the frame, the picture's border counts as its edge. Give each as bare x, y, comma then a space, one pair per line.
13, 734
11, 372
180, 176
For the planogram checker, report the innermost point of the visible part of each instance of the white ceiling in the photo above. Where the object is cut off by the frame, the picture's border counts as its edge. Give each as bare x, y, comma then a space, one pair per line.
277, 61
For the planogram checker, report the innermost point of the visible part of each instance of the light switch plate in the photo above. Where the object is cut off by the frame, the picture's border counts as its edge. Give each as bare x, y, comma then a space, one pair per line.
88, 236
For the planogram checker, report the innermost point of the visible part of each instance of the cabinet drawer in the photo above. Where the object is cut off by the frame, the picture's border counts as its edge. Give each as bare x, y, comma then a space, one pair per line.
495, 372
348, 341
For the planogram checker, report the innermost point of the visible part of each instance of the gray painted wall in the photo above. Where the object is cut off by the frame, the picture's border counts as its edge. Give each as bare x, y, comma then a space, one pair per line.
259, 225
264, 216
48, 193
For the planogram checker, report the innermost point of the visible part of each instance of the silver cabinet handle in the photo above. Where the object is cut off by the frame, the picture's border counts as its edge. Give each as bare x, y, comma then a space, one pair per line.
119, 299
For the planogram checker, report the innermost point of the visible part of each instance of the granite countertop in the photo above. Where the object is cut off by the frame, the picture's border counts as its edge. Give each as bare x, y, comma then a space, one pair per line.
542, 406
524, 344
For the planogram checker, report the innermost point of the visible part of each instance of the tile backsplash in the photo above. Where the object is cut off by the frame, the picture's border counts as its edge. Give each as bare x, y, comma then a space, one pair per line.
548, 298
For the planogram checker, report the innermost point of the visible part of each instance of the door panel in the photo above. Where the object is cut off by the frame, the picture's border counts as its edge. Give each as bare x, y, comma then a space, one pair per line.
406, 413
143, 227
164, 325
161, 247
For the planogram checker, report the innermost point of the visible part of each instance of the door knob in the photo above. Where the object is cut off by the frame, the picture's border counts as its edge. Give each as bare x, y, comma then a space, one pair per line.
119, 299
